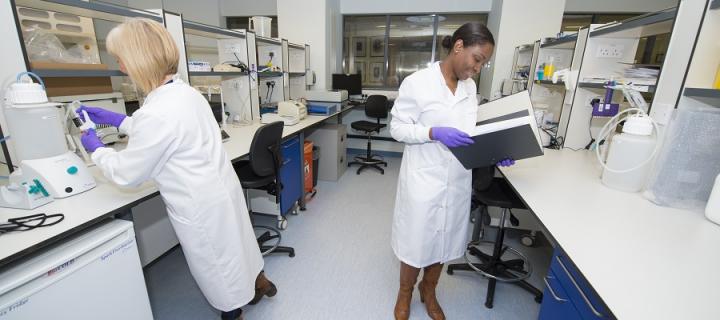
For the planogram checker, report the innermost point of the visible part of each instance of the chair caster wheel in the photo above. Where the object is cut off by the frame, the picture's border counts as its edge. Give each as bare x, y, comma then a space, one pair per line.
291, 254
528, 240
538, 299
282, 224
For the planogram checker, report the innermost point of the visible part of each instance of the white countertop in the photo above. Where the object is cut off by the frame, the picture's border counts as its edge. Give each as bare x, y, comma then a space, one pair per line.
645, 261
107, 198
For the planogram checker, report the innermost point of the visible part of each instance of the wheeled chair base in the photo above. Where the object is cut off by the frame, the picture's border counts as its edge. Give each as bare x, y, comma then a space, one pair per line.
365, 162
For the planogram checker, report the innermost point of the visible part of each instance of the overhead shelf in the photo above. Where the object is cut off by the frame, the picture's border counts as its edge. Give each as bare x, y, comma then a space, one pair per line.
707, 96
640, 26
216, 73
204, 30
66, 73
296, 74
95, 9
296, 46
601, 85
269, 74
564, 40
269, 40
525, 48
549, 82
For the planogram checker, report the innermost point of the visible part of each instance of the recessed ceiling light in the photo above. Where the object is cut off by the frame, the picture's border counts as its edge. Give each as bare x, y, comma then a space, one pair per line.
424, 19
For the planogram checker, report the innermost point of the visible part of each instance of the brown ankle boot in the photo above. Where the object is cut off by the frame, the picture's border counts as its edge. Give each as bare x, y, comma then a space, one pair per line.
408, 276
427, 291
263, 287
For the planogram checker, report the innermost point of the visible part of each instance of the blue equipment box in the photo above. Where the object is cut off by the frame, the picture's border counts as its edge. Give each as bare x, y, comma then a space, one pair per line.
323, 108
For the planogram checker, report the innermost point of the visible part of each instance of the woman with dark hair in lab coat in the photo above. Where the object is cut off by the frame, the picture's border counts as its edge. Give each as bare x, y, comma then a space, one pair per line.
434, 110
175, 141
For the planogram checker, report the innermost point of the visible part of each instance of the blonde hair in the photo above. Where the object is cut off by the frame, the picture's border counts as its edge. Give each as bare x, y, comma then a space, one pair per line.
147, 50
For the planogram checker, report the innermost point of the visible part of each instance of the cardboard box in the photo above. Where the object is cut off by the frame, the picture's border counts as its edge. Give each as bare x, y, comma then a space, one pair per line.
70, 86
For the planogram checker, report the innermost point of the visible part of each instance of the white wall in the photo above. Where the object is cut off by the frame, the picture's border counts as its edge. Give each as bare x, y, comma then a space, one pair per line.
511, 30
413, 6
228, 8
596, 6
242, 8
448, 6
322, 34
207, 12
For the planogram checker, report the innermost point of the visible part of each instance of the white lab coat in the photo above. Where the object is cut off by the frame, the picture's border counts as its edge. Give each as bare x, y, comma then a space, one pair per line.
175, 141
432, 204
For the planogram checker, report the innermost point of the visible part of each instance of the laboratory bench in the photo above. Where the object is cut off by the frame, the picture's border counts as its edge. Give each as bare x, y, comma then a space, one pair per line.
107, 199
627, 257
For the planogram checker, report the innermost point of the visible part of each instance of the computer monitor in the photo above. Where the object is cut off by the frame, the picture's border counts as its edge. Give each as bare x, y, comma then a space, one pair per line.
216, 108
350, 82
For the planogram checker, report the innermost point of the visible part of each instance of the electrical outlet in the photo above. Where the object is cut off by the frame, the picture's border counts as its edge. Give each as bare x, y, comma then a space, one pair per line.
588, 101
610, 51
232, 48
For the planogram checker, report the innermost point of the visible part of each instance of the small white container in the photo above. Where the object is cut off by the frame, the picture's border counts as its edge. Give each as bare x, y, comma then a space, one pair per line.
34, 124
712, 210
628, 150
261, 26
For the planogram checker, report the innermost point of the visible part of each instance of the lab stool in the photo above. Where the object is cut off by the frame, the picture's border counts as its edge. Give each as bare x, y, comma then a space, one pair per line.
496, 266
376, 107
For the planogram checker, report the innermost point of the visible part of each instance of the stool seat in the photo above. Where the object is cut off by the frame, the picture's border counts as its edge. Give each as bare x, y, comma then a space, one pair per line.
367, 126
499, 194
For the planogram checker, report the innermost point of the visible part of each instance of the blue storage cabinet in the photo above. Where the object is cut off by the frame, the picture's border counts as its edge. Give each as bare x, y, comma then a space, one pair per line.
290, 174
568, 295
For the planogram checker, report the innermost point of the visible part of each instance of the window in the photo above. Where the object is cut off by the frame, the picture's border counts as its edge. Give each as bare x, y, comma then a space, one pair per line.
385, 49
242, 23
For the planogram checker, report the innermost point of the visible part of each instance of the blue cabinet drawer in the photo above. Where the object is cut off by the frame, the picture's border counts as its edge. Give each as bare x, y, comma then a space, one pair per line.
290, 174
556, 303
586, 301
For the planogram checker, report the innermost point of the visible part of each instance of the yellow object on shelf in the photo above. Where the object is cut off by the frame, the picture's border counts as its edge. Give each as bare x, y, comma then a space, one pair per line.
716, 84
549, 69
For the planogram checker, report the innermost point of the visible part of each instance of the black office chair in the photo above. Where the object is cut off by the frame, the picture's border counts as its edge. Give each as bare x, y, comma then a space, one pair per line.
262, 171
376, 106
496, 266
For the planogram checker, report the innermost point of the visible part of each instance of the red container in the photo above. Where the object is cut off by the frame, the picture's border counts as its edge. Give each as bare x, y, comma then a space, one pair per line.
308, 166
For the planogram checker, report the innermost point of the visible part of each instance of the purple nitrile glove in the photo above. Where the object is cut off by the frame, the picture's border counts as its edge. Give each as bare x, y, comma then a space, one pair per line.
506, 162
451, 137
101, 116
90, 140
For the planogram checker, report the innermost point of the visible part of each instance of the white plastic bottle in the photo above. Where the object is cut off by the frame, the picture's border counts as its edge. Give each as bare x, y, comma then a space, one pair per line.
712, 210
628, 150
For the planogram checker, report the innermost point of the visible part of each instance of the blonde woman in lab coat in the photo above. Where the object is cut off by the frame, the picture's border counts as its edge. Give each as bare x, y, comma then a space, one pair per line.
434, 110
174, 141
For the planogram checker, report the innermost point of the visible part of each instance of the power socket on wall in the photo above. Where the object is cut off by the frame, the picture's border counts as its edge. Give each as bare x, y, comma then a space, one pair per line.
232, 48
610, 51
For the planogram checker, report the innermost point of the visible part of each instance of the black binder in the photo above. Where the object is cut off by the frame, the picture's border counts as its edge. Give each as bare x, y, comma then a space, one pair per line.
510, 132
